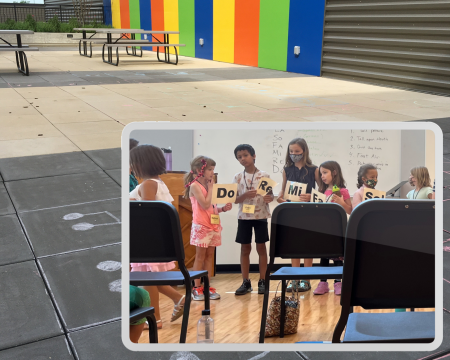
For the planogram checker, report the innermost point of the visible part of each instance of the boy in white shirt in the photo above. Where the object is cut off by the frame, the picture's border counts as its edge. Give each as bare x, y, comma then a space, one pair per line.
256, 219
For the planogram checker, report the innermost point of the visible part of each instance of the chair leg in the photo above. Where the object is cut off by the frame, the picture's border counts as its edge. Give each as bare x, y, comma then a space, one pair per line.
187, 307
262, 330
206, 292
283, 308
340, 326
152, 329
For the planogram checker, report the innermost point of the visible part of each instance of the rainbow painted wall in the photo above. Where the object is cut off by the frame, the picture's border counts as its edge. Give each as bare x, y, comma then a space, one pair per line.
259, 33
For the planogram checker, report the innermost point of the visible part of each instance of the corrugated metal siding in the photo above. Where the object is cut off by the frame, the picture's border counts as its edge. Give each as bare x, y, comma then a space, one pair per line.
94, 3
399, 43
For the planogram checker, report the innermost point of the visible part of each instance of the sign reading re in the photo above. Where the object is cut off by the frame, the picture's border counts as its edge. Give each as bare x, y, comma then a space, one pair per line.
265, 186
373, 194
224, 194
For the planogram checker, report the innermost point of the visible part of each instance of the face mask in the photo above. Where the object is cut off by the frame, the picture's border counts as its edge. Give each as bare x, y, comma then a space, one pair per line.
296, 158
371, 183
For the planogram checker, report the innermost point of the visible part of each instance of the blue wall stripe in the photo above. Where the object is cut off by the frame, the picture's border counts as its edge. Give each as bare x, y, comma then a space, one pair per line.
305, 30
204, 28
145, 13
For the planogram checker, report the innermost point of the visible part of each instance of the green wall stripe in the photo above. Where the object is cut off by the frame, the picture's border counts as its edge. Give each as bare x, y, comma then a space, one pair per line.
135, 17
273, 34
186, 19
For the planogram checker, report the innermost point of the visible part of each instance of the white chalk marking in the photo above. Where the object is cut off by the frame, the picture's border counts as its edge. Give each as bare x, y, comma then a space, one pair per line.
82, 226
260, 356
115, 286
87, 226
184, 355
63, 206
114, 217
109, 265
74, 216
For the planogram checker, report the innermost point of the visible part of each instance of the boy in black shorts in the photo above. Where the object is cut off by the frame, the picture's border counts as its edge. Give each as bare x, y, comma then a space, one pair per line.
255, 216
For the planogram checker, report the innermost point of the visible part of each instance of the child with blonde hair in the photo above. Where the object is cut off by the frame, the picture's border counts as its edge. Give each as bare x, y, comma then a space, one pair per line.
420, 179
206, 228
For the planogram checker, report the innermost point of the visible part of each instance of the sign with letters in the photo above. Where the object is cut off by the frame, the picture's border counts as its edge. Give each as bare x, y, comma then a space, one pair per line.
265, 185
317, 197
294, 190
224, 194
373, 194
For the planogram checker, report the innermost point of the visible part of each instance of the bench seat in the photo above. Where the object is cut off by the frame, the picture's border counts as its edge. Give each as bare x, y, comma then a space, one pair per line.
140, 43
15, 48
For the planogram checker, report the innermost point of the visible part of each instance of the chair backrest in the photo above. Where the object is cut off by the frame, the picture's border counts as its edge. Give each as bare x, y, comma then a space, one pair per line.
307, 230
155, 233
390, 255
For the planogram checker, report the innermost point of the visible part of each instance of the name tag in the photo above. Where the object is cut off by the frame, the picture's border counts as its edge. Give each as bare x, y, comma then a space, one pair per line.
215, 219
248, 209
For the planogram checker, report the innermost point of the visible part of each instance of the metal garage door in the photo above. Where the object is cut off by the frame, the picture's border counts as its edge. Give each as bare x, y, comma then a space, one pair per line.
398, 43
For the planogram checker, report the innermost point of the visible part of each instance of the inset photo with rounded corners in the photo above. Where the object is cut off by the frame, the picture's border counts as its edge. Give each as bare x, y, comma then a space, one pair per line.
282, 234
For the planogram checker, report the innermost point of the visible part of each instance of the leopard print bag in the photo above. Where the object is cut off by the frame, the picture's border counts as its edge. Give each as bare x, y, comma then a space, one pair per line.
274, 314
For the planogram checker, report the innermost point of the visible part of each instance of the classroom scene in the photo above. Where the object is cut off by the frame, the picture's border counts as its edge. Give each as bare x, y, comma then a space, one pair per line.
248, 218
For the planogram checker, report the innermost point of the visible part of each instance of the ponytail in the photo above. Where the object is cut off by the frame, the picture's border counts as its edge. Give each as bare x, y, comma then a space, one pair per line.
198, 164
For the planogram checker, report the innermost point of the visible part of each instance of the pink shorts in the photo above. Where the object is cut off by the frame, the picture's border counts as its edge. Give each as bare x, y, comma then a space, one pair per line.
152, 267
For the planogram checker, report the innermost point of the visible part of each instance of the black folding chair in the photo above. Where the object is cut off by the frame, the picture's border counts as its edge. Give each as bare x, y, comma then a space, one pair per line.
155, 236
389, 263
303, 230
149, 314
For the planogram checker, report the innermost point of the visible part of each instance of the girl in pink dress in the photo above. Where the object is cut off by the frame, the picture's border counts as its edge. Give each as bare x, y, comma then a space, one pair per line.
331, 174
206, 228
147, 162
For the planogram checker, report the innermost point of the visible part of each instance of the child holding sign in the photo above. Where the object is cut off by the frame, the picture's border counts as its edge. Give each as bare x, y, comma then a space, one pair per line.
206, 229
420, 179
299, 168
333, 180
253, 214
147, 162
367, 178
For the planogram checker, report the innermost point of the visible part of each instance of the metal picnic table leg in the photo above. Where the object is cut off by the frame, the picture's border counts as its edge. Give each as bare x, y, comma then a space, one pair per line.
21, 58
109, 41
84, 43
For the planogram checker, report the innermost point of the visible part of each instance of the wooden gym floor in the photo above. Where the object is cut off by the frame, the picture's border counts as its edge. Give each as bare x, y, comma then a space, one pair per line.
237, 318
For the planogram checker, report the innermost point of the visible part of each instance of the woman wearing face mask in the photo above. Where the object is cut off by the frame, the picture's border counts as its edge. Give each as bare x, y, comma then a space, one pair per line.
367, 178
299, 168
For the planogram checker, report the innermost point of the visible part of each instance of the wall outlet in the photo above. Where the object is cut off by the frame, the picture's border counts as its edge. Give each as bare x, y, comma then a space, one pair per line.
296, 50
145, 36
201, 42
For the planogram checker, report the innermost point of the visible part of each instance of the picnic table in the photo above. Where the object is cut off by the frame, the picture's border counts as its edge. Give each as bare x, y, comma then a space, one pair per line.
21, 57
86, 39
125, 41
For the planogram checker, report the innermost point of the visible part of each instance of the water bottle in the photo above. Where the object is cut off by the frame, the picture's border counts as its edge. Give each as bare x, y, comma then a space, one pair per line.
168, 157
205, 328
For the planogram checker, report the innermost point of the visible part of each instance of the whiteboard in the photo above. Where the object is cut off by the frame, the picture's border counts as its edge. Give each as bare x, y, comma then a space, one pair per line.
350, 148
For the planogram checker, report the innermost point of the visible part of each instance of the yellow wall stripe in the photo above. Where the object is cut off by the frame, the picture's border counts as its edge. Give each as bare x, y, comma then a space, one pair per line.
223, 24
171, 21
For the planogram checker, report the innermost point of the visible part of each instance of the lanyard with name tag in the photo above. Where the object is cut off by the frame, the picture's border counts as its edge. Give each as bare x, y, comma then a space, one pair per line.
248, 209
215, 219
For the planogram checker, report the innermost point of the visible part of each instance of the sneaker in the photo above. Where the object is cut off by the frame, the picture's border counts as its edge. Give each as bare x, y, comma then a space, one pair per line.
261, 286
213, 295
293, 285
197, 294
245, 288
304, 286
337, 288
322, 288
